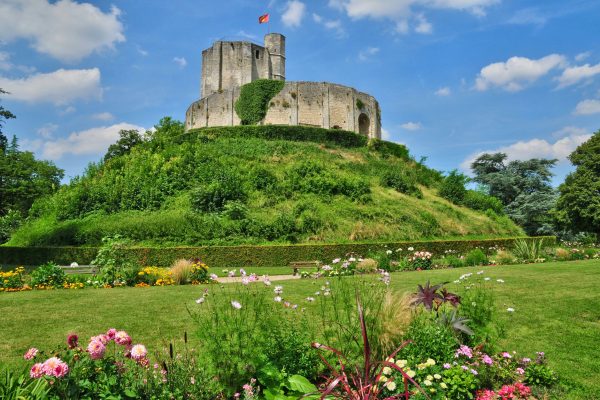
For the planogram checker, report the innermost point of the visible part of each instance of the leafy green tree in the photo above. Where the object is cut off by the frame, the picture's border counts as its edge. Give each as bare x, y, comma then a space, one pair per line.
579, 200
4, 115
523, 187
453, 187
128, 139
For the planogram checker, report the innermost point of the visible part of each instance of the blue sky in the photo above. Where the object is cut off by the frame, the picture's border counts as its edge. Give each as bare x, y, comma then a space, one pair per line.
453, 77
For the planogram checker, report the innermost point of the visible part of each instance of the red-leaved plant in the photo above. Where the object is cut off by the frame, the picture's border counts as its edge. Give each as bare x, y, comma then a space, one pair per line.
352, 383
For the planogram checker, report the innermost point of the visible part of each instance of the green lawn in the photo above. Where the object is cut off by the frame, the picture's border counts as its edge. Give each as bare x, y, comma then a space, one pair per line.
557, 310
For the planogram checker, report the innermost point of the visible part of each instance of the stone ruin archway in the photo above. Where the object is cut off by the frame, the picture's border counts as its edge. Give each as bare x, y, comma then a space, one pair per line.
363, 124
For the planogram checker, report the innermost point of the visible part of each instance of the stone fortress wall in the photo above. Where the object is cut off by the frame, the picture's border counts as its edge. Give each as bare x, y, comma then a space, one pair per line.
228, 65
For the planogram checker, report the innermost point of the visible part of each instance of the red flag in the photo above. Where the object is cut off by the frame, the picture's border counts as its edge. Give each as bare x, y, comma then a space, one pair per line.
263, 19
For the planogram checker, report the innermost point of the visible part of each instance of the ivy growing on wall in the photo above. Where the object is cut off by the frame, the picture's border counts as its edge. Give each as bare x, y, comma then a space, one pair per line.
254, 99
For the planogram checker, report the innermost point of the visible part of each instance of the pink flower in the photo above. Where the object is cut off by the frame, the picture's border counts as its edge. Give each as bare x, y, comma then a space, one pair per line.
214, 277
486, 395
55, 367
111, 333
506, 355
447, 366
36, 371
122, 338
520, 371
96, 349
464, 351
100, 338
487, 359
245, 280
31, 353
236, 304
138, 352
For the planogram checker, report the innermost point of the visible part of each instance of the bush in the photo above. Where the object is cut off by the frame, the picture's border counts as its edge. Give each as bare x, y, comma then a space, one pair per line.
115, 267
529, 251
453, 262
505, 257
453, 187
476, 257
480, 201
429, 340
252, 105
402, 182
214, 196
48, 275
9, 223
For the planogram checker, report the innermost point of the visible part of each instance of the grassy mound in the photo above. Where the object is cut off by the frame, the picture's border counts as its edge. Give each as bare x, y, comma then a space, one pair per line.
255, 185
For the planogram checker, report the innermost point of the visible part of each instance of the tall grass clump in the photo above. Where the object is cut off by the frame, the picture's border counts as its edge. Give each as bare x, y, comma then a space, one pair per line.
181, 271
528, 250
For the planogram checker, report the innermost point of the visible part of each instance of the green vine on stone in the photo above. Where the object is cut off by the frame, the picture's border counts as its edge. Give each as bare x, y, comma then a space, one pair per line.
254, 99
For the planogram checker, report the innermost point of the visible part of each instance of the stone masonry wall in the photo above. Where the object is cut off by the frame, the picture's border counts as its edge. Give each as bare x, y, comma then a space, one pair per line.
319, 104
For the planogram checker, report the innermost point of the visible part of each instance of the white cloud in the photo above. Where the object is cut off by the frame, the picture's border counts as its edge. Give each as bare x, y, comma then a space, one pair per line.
424, 26
582, 56
368, 53
103, 116
411, 126
67, 110
399, 9
528, 16
293, 14
514, 74
569, 138
141, 51
443, 91
573, 75
47, 130
587, 107
402, 27
333, 25
58, 87
5, 63
94, 141
181, 61
65, 30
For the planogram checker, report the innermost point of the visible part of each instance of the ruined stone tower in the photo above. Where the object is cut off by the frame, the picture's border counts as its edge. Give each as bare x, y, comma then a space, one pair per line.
226, 66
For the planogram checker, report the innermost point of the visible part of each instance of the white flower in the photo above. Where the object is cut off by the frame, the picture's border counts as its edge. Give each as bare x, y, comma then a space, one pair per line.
236, 304
310, 299
266, 280
387, 371
245, 280
510, 309
486, 279
200, 300
352, 259
242, 272
500, 280
337, 260
277, 299
388, 252
480, 272
410, 248
278, 289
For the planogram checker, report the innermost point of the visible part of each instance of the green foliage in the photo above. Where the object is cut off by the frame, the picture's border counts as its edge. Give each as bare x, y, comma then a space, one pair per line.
477, 200
476, 257
359, 104
214, 196
252, 105
401, 181
523, 187
453, 262
15, 386
453, 187
479, 307
579, 201
529, 250
539, 375
461, 384
429, 340
9, 223
114, 265
48, 275
127, 140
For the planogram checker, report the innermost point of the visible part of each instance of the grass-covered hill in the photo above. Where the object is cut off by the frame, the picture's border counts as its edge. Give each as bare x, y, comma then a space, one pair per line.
254, 184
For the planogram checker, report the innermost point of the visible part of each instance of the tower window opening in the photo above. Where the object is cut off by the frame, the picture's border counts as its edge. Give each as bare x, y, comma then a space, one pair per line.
257, 54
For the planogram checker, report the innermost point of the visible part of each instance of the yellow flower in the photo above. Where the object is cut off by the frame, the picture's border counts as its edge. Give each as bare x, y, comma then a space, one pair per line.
427, 382
443, 385
401, 363
391, 360
411, 373
437, 376
429, 378
421, 366
387, 371
430, 361
382, 379
391, 386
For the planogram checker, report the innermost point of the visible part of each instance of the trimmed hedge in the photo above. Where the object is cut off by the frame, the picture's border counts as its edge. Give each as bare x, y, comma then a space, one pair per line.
244, 256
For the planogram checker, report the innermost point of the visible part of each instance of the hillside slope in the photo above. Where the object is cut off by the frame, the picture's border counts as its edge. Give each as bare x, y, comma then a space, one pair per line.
255, 185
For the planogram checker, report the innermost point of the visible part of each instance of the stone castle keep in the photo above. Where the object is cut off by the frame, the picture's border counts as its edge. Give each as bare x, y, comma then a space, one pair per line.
226, 66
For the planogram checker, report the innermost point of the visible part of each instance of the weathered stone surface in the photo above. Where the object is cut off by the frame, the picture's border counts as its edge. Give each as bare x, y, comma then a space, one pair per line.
228, 65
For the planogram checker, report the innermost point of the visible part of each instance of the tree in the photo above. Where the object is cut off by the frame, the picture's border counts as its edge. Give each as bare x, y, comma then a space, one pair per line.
128, 139
453, 187
4, 115
579, 200
523, 187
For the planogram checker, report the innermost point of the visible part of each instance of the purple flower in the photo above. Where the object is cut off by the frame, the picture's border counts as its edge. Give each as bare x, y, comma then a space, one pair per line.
447, 366
464, 351
236, 304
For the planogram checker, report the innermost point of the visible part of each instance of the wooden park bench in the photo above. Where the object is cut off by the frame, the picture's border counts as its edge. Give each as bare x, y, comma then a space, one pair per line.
80, 270
296, 265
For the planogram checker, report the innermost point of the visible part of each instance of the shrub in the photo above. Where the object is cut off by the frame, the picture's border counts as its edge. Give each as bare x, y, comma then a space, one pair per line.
115, 267
48, 275
539, 375
9, 223
154, 276
254, 99
367, 265
505, 257
453, 262
429, 340
530, 251
476, 257
402, 182
213, 196
453, 187
13, 280
480, 201
420, 260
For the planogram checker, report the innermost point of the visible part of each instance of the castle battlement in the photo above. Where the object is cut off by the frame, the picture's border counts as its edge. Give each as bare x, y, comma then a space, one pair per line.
226, 66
